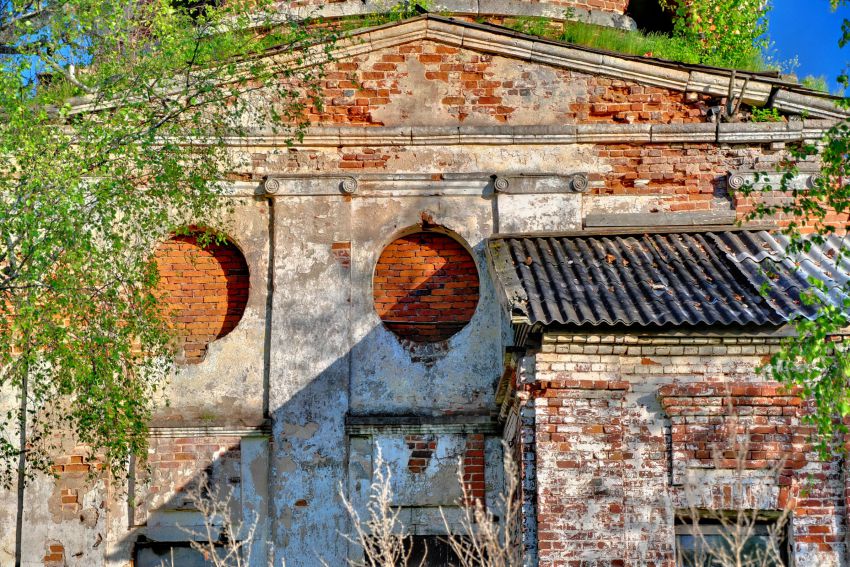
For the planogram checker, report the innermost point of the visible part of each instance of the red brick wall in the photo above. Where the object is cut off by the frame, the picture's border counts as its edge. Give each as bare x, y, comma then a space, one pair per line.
206, 290
759, 427
422, 448
581, 453
473, 467
425, 287
685, 177
690, 177
629, 429
380, 88
727, 426
176, 464
54, 556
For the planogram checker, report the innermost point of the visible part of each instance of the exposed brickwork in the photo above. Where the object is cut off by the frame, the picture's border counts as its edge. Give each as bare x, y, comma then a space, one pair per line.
629, 429
683, 177
691, 173
75, 461
206, 290
580, 470
691, 177
364, 159
74, 492
425, 286
473, 467
422, 448
391, 86
758, 427
176, 464
54, 556
342, 253
713, 424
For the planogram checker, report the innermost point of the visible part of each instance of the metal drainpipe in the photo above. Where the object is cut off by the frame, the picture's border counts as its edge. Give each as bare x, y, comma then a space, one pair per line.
267, 343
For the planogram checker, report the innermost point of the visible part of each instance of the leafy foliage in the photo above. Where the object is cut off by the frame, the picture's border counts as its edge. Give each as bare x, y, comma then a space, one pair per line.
765, 115
812, 358
725, 33
115, 120
815, 358
815, 83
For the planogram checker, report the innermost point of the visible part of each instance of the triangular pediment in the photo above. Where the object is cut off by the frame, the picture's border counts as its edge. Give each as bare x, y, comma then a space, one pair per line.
518, 57
439, 71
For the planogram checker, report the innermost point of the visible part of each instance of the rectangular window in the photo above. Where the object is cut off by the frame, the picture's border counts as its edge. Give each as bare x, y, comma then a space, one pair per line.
731, 539
435, 551
172, 554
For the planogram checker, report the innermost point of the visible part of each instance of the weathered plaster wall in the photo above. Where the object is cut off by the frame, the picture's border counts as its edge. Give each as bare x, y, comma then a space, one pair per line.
309, 385
389, 377
230, 380
65, 520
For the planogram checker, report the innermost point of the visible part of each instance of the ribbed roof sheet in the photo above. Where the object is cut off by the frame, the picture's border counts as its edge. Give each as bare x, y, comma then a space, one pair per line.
764, 259
711, 278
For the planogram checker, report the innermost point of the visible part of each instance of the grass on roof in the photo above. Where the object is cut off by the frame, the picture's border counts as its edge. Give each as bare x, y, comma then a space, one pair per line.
628, 42
585, 34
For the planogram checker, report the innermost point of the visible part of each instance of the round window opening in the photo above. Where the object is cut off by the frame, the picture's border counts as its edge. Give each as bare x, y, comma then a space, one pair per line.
425, 287
205, 289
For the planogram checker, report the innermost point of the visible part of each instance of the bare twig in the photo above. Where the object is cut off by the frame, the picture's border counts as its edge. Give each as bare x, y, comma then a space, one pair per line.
224, 541
381, 535
483, 540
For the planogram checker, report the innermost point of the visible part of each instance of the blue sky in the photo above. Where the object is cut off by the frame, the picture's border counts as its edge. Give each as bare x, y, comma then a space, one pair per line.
809, 30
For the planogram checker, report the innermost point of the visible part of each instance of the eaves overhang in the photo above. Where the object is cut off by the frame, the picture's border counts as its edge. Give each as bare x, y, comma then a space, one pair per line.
714, 278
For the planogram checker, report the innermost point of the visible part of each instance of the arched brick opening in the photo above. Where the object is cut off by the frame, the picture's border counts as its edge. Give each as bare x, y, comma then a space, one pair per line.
205, 289
425, 287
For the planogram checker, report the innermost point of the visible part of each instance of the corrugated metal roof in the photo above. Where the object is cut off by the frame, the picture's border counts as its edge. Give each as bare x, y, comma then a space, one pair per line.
763, 258
712, 278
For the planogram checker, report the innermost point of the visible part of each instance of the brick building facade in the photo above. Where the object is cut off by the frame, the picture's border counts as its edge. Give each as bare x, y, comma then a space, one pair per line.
483, 236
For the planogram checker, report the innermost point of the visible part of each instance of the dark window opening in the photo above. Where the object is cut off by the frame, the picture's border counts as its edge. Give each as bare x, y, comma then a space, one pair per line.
435, 550
714, 542
650, 16
195, 8
173, 554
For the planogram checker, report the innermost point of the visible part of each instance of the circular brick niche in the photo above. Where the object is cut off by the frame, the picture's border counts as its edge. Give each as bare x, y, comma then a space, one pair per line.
425, 287
205, 290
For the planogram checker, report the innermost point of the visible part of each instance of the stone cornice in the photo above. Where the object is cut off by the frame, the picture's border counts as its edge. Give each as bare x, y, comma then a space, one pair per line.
699, 133
412, 425
259, 430
520, 8
412, 184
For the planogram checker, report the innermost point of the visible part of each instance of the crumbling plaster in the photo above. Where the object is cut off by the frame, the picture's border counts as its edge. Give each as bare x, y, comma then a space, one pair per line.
231, 376
331, 354
385, 378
